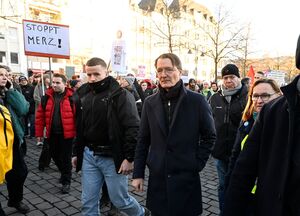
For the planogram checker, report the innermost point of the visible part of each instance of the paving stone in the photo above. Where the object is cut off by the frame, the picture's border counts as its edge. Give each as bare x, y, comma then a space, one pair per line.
43, 196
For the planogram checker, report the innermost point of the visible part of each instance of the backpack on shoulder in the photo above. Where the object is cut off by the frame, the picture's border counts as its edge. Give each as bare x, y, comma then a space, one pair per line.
44, 100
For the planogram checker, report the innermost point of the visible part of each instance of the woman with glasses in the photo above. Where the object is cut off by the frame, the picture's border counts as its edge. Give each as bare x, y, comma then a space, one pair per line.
261, 92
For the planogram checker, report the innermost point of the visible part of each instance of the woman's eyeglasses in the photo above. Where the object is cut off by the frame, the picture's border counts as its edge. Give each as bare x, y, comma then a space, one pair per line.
265, 96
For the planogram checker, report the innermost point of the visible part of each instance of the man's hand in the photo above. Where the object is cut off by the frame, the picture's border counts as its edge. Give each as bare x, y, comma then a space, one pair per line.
138, 184
126, 167
74, 162
39, 139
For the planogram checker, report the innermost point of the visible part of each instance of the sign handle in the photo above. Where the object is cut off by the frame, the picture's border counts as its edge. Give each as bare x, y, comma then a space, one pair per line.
42, 79
50, 71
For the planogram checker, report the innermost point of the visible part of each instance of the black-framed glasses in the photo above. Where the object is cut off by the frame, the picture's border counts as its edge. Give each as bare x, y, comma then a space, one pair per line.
167, 70
265, 96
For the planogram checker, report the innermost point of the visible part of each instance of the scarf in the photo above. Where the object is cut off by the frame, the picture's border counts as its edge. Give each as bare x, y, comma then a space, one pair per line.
227, 93
172, 93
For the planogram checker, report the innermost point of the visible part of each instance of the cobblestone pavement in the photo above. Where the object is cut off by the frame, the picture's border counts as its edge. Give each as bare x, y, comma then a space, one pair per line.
42, 190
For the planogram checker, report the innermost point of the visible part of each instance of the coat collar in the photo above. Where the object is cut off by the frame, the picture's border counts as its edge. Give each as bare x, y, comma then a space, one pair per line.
114, 88
290, 92
158, 109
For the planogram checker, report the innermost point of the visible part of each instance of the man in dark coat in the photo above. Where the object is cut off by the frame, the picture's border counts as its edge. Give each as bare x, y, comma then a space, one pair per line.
227, 108
175, 139
271, 158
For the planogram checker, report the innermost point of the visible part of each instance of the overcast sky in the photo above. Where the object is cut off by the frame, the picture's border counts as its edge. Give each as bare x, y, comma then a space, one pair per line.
275, 23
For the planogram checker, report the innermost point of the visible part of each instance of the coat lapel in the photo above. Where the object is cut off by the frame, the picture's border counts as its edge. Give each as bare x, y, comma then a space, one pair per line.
183, 93
159, 113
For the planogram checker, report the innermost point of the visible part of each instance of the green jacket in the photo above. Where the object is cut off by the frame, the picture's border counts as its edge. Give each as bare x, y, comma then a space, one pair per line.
18, 108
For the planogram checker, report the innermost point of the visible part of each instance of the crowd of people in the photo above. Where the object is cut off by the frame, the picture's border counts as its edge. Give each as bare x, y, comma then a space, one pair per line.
110, 127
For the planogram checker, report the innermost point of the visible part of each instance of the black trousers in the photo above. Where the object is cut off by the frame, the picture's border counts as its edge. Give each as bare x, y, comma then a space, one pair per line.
61, 152
15, 178
2, 213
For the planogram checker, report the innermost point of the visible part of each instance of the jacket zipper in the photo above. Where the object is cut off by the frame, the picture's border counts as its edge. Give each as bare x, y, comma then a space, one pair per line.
169, 113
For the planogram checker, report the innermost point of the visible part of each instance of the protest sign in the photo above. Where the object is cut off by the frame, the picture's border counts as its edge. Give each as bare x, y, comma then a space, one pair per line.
46, 39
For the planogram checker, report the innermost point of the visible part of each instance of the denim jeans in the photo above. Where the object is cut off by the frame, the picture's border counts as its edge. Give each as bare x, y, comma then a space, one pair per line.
30, 118
222, 168
96, 169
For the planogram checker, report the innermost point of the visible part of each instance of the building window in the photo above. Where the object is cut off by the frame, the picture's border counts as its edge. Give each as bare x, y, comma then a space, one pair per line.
2, 57
14, 58
13, 33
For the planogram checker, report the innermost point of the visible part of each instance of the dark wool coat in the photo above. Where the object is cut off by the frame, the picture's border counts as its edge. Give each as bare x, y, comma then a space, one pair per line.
227, 118
174, 159
297, 58
266, 156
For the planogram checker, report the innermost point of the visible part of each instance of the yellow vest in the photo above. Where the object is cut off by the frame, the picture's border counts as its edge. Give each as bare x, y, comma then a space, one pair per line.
6, 142
242, 146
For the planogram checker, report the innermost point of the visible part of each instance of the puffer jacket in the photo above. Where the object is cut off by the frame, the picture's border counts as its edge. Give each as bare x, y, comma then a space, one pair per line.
67, 111
122, 118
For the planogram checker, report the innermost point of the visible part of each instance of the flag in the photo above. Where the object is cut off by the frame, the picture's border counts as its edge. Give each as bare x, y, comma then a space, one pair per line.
251, 73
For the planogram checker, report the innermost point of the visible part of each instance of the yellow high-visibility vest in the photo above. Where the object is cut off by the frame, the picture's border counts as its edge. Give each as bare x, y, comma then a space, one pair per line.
6, 142
242, 146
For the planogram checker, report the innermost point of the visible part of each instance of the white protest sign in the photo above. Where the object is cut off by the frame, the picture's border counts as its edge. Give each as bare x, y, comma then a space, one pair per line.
118, 57
278, 76
46, 39
141, 72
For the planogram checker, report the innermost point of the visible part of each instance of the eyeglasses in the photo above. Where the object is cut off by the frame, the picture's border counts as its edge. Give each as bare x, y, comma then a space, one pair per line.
167, 70
265, 96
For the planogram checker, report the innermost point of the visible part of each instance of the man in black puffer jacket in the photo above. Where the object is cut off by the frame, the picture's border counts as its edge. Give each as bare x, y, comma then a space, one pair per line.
107, 125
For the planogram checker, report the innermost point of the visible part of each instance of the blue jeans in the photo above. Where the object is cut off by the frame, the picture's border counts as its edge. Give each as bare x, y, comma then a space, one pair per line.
222, 168
96, 169
30, 118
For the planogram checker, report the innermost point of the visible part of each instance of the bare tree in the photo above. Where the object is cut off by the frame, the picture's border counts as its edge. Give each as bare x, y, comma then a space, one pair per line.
225, 38
242, 56
166, 31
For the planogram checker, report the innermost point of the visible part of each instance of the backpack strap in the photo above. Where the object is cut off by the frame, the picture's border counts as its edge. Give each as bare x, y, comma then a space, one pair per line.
71, 102
44, 100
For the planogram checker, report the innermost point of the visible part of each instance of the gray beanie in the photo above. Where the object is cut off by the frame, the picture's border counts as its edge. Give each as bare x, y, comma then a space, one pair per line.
130, 80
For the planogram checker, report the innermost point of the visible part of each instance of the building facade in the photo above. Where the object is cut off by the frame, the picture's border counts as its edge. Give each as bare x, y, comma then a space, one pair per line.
147, 33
